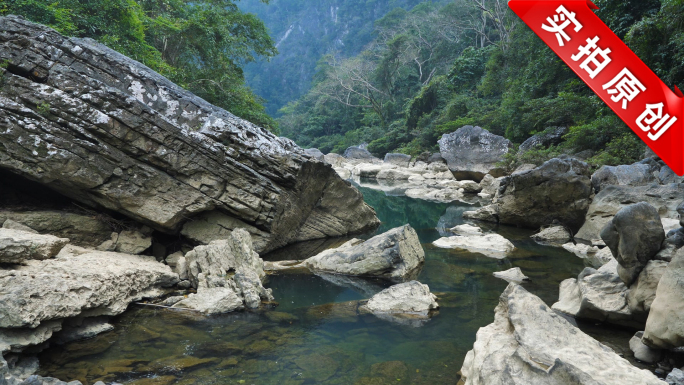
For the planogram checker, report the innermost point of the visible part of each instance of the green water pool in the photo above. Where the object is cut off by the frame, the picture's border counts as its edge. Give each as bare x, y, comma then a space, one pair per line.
315, 335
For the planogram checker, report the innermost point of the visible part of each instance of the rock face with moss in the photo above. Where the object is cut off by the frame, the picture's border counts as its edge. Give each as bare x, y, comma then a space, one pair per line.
109, 132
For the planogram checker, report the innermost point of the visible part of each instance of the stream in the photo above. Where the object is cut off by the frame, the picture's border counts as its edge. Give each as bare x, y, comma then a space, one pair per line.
315, 335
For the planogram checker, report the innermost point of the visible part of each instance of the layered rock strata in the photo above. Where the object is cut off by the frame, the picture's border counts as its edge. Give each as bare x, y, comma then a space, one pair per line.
109, 132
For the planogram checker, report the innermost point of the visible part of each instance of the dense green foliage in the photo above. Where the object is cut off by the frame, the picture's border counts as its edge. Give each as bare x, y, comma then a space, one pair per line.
488, 69
201, 45
305, 31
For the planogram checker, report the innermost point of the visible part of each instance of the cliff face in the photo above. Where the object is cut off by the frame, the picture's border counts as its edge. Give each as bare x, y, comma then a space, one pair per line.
107, 131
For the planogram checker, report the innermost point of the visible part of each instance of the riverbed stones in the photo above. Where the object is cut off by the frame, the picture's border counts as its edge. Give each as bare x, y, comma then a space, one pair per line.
597, 295
529, 344
665, 324
18, 246
492, 245
411, 297
230, 264
121, 137
557, 191
634, 236
395, 255
472, 152
78, 281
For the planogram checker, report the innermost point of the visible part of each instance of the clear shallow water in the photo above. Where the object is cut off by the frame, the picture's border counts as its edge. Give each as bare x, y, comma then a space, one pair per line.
315, 335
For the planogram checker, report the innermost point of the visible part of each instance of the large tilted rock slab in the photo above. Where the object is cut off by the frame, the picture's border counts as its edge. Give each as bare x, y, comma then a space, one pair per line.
227, 274
612, 198
472, 152
18, 246
665, 324
558, 190
109, 132
82, 230
394, 255
529, 344
78, 282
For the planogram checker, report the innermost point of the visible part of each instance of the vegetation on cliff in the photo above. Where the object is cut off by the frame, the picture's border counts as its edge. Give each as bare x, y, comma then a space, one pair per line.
435, 68
200, 45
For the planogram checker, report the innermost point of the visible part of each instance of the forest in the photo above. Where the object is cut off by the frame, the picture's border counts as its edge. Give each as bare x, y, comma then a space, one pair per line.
435, 68
395, 74
202, 45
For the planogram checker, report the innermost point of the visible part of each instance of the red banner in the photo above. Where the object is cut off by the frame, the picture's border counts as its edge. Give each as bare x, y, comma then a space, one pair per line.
612, 70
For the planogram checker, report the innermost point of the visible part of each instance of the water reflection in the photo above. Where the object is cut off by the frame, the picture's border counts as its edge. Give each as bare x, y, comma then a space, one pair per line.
317, 335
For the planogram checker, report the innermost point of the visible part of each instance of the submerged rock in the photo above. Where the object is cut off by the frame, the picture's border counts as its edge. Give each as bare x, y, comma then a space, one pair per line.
553, 235
529, 344
472, 152
558, 191
514, 275
18, 246
634, 236
491, 245
395, 255
119, 136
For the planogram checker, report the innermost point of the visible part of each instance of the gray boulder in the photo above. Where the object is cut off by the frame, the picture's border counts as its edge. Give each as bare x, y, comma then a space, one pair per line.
557, 191
550, 136
675, 377
612, 198
472, 152
667, 176
17, 246
401, 160
355, 152
315, 153
643, 290
553, 235
634, 236
642, 352
597, 295
405, 298
395, 255
665, 324
529, 344
227, 264
436, 158
114, 134
638, 174
514, 275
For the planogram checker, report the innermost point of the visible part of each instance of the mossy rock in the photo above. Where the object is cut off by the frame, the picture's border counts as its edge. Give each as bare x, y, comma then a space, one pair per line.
161, 380
390, 369
279, 316
179, 364
317, 367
